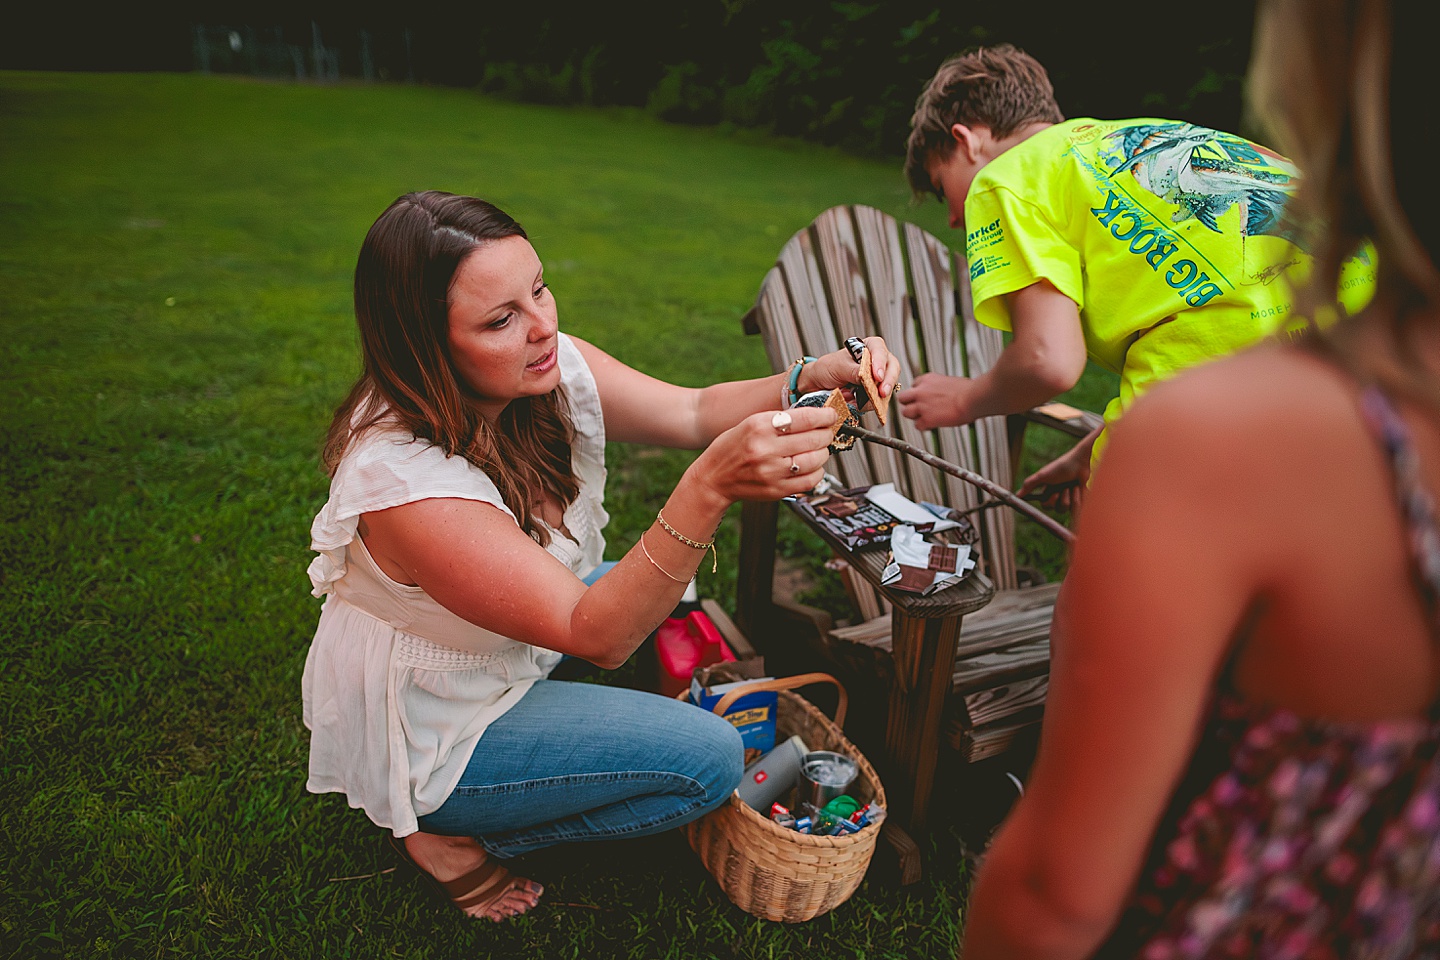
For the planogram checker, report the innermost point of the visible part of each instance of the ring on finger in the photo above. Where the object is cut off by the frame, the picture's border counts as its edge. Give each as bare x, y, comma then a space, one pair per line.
794, 467
781, 421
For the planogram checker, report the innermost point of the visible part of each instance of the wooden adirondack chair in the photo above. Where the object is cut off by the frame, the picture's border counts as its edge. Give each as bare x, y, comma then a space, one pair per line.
856, 271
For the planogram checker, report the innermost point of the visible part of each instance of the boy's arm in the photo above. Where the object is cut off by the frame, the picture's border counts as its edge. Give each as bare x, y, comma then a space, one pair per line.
1065, 477
1045, 357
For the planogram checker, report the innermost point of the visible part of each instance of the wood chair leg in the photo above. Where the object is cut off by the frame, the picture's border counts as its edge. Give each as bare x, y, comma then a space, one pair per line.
1015, 436
906, 851
924, 657
754, 592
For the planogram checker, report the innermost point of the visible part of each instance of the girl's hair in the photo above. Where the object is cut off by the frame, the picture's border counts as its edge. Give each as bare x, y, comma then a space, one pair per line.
1347, 87
402, 284
1000, 87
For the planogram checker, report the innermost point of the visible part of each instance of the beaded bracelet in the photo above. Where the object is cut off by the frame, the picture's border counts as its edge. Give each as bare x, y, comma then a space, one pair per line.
646, 550
696, 544
791, 391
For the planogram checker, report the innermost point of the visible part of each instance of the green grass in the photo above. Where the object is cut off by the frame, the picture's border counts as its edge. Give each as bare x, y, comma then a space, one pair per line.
175, 329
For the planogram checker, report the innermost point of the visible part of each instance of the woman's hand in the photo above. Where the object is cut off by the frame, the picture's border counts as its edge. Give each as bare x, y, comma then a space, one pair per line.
768, 455
839, 369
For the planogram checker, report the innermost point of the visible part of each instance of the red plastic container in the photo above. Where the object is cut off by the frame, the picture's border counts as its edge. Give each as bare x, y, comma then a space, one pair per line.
684, 643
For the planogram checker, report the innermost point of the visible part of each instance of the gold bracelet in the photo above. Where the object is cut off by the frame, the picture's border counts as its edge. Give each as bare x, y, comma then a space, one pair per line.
646, 551
695, 544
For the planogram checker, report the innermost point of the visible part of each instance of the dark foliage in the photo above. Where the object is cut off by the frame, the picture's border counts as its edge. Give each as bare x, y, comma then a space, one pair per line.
844, 73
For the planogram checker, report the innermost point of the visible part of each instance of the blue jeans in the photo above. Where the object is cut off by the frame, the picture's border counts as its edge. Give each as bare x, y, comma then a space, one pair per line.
573, 668
580, 761
600, 571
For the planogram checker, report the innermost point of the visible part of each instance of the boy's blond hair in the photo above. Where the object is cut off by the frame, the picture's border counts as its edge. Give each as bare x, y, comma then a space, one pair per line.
1000, 87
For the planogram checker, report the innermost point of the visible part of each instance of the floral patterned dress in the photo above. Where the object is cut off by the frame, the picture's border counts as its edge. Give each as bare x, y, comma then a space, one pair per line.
1297, 838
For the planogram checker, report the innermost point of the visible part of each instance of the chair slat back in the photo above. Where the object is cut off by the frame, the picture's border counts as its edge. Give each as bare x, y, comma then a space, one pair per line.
933, 283
856, 271
983, 345
854, 317
780, 329
814, 325
894, 320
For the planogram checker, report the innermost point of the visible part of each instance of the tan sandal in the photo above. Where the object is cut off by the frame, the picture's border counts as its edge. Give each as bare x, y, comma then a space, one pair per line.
481, 887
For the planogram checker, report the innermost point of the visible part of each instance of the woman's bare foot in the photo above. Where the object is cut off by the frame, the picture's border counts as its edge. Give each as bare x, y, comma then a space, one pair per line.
474, 881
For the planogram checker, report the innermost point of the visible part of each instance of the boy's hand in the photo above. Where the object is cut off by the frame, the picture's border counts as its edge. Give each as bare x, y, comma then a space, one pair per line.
1061, 484
936, 400
1062, 481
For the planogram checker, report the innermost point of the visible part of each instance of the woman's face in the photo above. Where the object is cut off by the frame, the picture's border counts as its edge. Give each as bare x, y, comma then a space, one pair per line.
502, 324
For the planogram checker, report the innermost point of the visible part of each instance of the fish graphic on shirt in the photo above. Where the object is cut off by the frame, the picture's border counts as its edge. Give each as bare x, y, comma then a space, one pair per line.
1204, 173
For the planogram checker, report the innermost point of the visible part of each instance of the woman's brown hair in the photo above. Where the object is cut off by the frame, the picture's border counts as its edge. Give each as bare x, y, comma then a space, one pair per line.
1346, 87
402, 286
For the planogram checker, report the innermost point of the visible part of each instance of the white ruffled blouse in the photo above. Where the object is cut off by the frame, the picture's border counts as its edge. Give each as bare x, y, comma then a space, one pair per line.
398, 691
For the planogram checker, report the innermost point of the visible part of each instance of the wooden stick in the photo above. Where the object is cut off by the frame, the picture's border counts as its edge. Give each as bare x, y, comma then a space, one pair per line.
968, 476
362, 876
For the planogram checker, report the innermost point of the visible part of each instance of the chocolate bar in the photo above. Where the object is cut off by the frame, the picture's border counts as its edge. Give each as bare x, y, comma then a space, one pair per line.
914, 579
943, 557
868, 525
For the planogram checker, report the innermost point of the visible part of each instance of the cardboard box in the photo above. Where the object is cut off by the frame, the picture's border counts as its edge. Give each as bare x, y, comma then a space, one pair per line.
753, 714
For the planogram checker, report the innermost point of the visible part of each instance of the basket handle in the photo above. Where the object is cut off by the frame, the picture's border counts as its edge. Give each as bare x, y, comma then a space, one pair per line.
786, 683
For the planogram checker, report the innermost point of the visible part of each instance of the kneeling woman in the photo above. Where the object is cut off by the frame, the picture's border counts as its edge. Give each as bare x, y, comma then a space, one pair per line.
463, 523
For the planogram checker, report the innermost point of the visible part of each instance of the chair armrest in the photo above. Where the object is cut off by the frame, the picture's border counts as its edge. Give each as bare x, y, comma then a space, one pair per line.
750, 323
1066, 419
1057, 416
820, 621
738, 641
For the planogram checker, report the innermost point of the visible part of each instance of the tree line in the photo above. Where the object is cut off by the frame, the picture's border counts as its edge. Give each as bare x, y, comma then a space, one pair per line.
841, 73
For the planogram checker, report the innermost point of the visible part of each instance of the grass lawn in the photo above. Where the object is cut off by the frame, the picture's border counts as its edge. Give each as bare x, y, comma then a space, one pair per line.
175, 330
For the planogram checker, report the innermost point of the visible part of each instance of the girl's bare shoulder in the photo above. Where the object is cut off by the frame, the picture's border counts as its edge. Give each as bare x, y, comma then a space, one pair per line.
1280, 398
1262, 441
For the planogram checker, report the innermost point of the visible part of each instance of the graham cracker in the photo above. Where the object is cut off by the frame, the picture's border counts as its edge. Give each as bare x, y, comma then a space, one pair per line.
836, 402
867, 380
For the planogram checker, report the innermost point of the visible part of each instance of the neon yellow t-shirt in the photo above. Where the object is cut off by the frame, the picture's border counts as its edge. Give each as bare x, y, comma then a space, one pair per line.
1169, 237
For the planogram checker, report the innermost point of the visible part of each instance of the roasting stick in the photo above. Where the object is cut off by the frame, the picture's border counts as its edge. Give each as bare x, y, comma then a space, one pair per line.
968, 476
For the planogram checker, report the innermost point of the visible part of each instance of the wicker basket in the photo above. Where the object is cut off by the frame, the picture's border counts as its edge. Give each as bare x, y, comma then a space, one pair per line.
767, 870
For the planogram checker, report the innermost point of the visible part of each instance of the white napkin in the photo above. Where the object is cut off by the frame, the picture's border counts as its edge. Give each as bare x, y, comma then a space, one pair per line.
902, 507
909, 548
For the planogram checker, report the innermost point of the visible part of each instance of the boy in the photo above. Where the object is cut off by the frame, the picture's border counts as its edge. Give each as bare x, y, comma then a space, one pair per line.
1147, 245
